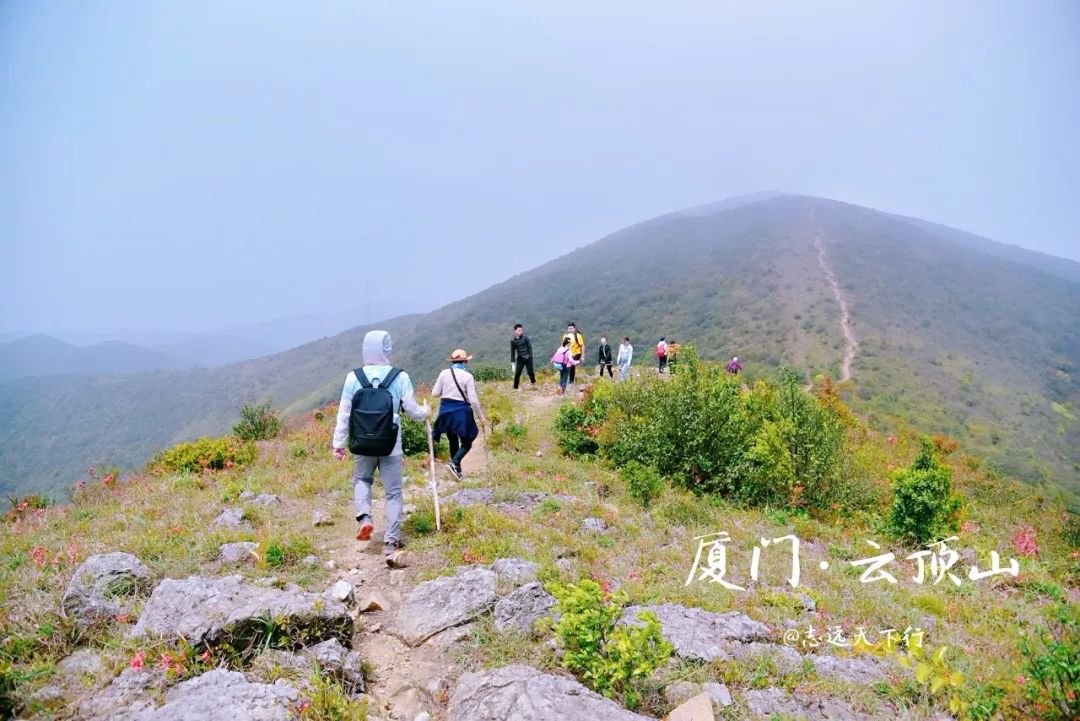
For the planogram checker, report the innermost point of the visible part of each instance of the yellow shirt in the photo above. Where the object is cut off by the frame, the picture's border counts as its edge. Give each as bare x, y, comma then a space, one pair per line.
577, 342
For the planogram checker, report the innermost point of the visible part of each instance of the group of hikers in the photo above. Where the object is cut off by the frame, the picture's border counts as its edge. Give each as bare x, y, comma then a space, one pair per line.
374, 396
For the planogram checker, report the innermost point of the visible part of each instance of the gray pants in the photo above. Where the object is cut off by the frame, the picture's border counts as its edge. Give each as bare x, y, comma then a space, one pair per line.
390, 471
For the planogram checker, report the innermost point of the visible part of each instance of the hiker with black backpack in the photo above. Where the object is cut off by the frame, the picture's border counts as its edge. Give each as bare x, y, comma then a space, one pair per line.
369, 425
459, 408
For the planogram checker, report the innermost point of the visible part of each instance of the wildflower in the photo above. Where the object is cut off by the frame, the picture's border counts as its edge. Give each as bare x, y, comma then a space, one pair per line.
1021, 680
122, 618
1024, 542
138, 660
969, 527
165, 661
205, 657
80, 484
39, 555
175, 530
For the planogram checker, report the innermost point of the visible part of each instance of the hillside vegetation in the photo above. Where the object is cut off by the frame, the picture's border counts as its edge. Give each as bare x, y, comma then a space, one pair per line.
950, 338
607, 497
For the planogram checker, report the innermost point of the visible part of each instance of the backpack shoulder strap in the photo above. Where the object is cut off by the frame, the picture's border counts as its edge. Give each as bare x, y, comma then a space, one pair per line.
390, 378
364, 382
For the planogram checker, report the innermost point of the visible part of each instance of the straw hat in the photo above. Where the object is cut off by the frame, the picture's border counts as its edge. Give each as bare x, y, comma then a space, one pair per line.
460, 356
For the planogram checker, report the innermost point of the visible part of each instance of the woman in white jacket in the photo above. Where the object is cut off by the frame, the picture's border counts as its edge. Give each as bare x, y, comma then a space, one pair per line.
626, 356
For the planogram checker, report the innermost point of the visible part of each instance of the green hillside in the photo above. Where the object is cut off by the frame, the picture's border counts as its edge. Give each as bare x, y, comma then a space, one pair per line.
952, 339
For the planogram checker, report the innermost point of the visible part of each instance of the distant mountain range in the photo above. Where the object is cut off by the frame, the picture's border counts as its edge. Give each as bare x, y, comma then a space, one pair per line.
42, 355
955, 334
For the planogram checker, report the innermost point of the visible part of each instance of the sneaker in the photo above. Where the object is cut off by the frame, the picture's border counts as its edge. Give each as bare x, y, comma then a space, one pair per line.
392, 547
454, 471
366, 529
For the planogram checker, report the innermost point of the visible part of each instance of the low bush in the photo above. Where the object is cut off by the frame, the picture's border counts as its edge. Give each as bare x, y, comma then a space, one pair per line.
1052, 663
258, 422
924, 505
643, 482
484, 374
615, 661
203, 454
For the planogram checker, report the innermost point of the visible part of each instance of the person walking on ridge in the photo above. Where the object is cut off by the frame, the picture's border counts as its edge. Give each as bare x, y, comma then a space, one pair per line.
577, 349
626, 356
456, 388
521, 356
734, 366
604, 359
377, 392
661, 354
564, 362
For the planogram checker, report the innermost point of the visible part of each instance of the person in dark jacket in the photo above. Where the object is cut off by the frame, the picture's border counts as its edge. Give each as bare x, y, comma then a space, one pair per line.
521, 357
604, 359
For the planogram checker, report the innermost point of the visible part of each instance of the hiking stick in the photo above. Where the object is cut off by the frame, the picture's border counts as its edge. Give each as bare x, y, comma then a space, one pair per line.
434, 483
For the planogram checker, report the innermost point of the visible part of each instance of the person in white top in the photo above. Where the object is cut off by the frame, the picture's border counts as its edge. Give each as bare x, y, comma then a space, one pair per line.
459, 409
626, 357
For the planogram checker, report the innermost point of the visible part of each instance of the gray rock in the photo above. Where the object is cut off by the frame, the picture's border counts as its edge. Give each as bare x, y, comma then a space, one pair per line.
522, 608
701, 635
267, 499
525, 501
239, 552
209, 610
719, 693
566, 565
471, 497
514, 570
808, 603
310, 561
698, 708
444, 602
344, 664
594, 525
787, 659
321, 518
247, 495
125, 698
680, 692
523, 693
230, 518
772, 702
340, 591
83, 662
853, 669
101, 586
222, 694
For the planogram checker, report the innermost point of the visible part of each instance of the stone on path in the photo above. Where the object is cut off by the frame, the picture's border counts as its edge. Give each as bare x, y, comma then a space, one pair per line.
698, 634
523, 693
239, 552
444, 602
514, 570
222, 694
230, 518
522, 608
209, 610
321, 518
698, 708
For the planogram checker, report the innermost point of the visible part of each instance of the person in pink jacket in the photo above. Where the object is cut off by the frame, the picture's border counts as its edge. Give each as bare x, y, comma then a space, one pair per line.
563, 360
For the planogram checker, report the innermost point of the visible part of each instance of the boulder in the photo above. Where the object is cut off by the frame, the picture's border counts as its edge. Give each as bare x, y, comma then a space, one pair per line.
222, 694
230, 518
345, 665
852, 669
444, 602
772, 702
594, 525
525, 501
701, 635
523, 693
374, 601
267, 499
522, 608
680, 692
125, 698
515, 571
102, 585
321, 518
209, 610
698, 708
236, 553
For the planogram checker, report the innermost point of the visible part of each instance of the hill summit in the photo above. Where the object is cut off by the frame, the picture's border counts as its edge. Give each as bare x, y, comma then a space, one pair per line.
943, 333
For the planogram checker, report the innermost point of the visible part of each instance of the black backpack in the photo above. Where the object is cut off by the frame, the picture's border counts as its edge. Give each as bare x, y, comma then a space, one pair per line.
372, 431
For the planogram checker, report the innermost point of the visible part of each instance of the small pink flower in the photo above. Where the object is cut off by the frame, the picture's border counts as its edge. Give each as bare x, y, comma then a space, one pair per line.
1021, 680
39, 555
138, 660
1024, 542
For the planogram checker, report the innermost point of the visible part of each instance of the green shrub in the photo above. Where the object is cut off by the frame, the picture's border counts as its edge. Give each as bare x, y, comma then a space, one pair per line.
1052, 662
328, 700
414, 438
203, 454
615, 661
924, 506
573, 432
420, 523
484, 374
643, 482
258, 423
277, 552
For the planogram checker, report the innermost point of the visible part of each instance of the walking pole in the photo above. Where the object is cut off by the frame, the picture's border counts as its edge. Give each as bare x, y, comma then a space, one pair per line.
434, 483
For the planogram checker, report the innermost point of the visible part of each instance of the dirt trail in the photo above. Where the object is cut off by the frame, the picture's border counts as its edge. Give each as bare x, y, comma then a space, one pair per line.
405, 681
851, 343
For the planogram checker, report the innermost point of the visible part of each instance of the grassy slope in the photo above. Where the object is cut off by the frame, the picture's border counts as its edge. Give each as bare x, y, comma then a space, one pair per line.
163, 520
954, 340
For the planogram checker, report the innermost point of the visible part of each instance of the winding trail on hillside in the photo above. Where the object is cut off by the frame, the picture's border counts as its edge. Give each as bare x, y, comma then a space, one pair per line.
851, 343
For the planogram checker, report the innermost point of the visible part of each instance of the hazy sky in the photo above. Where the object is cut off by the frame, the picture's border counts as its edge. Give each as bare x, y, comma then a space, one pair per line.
193, 165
